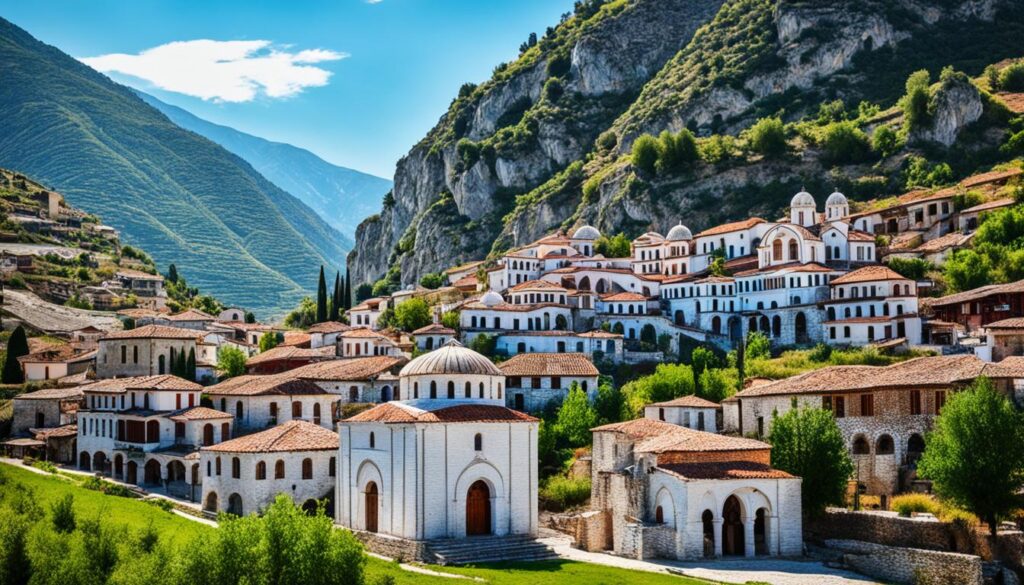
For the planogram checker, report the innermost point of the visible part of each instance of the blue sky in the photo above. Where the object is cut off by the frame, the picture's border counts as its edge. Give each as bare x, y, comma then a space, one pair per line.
394, 65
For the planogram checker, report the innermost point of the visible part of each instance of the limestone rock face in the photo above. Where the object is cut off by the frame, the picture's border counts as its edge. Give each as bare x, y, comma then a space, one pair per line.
957, 104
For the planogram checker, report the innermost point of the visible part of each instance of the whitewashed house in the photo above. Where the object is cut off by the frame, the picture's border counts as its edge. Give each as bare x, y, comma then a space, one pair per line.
692, 412
532, 380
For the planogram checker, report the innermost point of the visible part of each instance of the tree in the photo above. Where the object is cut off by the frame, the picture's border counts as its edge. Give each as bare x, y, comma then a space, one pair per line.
1012, 78
701, 358
250, 317
717, 384
336, 297
230, 362
17, 346
974, 455
667, 382
608, 404
617, 246
575, 418
484, 344
450, 320
912, 268
992, 78
967, 269
676, 151
915, 101
269, 340
433, 280
768, 137
302, 316
806, 442
181, 365
172, 274
190, 364
321, 298
758, 346
844, 143
62, 514
885, 141
347, 300
645, 153
412, 314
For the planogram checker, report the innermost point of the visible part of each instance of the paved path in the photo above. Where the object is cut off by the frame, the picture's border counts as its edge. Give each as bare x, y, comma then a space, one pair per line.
763, 570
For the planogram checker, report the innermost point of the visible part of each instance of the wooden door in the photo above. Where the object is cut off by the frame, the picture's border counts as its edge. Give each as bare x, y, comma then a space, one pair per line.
478, 509
371, 507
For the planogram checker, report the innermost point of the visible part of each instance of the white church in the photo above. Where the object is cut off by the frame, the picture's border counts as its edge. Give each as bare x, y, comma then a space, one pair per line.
445, 459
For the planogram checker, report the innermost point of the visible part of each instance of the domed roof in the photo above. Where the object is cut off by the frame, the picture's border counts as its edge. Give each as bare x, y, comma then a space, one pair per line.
680, 232
802, 199
491, 299
836, 198
587, 232
451, 358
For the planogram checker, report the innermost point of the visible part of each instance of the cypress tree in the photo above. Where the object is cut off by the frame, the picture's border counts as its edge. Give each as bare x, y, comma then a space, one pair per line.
172, 273
17, 346
348, 292
181, 365
190, 366
321, 298
336, 297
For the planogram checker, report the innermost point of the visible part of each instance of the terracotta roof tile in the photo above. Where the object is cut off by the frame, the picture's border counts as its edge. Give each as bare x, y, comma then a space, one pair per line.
536, 285
162, 382
950, 240
735, 226
397, 413
277, 384
347, 369
989, 177
59, 354
191, 315
329, 327
1015, 323
287, 352
548, 364
725, 470
689, 401
293, 435
51, 394
197, 413
435, 329
623, 297
980, 293
155, 332
989, 205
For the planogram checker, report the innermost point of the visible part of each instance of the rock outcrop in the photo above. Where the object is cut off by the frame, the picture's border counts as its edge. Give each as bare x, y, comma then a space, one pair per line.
957, 104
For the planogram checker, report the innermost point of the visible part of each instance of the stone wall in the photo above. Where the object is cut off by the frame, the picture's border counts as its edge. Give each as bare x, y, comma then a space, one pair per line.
885, 529
400, 549
648, 541
588, 529
909, 565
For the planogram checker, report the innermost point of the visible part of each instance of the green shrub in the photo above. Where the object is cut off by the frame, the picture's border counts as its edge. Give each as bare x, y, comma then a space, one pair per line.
607, 140
432, 281
886, 141
45, 466
553, 89
718, 148
676, 150
62, 514
909, 504
161, 503
915, 101
468, 152
821, 352
912, 268
645, 153
1012, 78
768, 137
844, 142
562, 493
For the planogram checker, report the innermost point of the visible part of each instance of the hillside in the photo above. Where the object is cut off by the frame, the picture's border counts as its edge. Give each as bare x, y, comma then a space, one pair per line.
182, 197
341, 196
545, 143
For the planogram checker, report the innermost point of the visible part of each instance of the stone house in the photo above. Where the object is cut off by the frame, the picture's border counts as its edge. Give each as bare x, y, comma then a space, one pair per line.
883, 412
258, 402
47, 408
367, 342
535, 379
975, 309
433, 336
604, 343
363, 380
244, 475
188, 319
148, 288
57, 362
150, 350
692, 412
326, 333
366, 313
666, 491
285, 357
1004, 339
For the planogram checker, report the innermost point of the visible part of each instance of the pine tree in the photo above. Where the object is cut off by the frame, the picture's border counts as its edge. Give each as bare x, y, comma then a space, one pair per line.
190, 366
17, 346
321, 298
336, 297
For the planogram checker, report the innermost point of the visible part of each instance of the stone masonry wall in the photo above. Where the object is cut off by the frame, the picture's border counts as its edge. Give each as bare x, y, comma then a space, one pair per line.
883, 529
396, 548
909, 565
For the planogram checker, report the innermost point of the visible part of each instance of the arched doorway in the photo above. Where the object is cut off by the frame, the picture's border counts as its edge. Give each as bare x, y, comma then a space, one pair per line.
151, 472
132, 474
760, 532
776, 326
708, 521
915, 447
800, 328
118, 466
735, 329
732, 528
84, 461
99, 462
478, 509
40, 420
371, 507
235, 504
211, 502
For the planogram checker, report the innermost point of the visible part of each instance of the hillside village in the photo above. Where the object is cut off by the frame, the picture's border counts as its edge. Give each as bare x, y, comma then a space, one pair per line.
821, 381
464, 374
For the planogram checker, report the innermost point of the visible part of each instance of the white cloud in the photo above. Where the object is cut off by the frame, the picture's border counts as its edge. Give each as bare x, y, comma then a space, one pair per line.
229, 71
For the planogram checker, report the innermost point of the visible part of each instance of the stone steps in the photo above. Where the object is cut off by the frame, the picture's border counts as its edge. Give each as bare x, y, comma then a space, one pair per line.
490, 549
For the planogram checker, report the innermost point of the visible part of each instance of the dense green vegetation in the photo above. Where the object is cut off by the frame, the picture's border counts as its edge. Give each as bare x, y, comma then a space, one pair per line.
806, 442
181, 197
996, 254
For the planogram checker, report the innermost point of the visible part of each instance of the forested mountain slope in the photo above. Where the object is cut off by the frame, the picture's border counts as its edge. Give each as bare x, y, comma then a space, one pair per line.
546, 142
341, 196
180, 196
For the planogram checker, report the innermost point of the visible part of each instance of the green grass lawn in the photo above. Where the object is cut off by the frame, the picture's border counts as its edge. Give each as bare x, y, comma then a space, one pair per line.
137, 515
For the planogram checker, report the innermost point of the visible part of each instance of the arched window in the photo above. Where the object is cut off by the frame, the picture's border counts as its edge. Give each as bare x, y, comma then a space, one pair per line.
469, 390
279, 469
373, 440
218, 466
794, 250
353, 394
415, 389
332, 467
307, 468
885, 446
236, 468
296, 409
238, 410
481, 390
777, 250
433, 389
261, 470
861, 446
316, 413
451, 390
478, 442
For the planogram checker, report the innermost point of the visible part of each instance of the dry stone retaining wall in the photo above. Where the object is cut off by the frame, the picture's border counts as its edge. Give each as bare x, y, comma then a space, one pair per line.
909, 565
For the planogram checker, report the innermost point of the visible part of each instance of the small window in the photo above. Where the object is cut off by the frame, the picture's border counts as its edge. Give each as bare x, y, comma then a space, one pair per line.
261, 470
915, 402
218, 467
307, 469
478, 442
236, 468
332, 467
373, 441
867, 405
940, 400
279, 469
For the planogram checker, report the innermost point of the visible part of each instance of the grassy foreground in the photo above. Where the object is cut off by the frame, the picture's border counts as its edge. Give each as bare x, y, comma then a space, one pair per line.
137, 515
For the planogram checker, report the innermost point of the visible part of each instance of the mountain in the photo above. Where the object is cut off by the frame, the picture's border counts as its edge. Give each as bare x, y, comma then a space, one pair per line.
180, 196
545, 143
338, 194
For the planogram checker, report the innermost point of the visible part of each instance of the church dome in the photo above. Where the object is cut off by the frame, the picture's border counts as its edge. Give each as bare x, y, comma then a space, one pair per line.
836, 198
451, 358
587, 232
680, 232
802, 199
491, 299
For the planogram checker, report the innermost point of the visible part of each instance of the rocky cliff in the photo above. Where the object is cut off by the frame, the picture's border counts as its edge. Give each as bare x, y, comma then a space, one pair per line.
511, 158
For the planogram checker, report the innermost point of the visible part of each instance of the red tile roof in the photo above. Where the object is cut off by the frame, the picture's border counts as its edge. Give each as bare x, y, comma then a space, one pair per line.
329, 327
277, 384
163, 382
191, 315
197, 413
689, 401
396, 413
979, 293
623, 297
293, 435
548, 364
434, 329
536, 285
725, 470
155, 332
59, 354
347, 369
869, 274
287, 352
735, 226
52, 394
